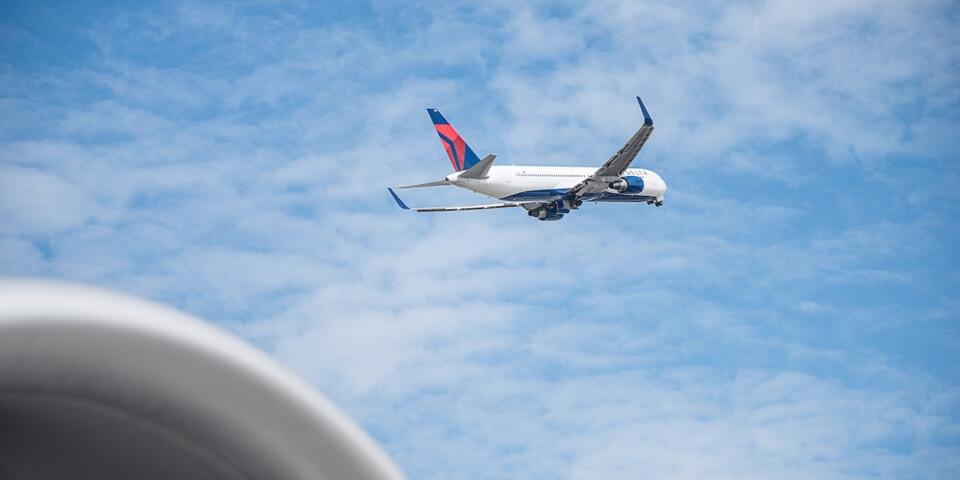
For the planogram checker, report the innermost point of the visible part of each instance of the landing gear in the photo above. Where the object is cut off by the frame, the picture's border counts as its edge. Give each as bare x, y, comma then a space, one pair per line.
659, 203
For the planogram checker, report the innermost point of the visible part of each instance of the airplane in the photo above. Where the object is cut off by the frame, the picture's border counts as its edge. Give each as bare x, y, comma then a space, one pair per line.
547, 193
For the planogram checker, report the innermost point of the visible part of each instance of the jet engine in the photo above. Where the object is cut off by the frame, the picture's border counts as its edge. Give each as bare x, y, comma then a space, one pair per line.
629, 184
545, 214
554, 210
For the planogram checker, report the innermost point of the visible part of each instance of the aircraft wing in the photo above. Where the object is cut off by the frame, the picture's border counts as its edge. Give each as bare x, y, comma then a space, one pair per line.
611, 170
486, 206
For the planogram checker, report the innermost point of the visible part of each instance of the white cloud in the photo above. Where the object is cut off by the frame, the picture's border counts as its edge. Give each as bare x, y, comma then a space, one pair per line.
37, 202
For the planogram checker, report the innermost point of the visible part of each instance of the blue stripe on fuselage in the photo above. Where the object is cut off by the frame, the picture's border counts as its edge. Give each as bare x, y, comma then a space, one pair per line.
559, 193
538, 195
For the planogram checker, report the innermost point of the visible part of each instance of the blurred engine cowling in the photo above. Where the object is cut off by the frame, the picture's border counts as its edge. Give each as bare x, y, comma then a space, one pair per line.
96, 385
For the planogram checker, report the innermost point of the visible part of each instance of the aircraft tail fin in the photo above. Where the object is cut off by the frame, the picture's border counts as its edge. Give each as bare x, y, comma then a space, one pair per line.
461, 155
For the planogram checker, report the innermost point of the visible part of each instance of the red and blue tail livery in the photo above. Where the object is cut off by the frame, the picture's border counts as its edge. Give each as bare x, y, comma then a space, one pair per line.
546, 193
461, 155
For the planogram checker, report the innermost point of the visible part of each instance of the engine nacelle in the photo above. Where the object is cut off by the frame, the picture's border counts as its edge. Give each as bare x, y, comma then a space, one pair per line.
96, 385
629, 184
548, 213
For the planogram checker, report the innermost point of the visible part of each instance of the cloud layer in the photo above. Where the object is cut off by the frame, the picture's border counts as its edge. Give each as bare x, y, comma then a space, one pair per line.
790, 313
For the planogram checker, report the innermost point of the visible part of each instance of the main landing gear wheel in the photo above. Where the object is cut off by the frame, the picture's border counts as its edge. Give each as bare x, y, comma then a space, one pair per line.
659, 203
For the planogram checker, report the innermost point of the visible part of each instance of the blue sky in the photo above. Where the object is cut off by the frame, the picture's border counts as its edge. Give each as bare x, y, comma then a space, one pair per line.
791, 312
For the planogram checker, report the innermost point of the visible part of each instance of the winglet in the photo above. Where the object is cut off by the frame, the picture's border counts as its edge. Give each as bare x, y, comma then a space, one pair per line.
646, 115
397, 199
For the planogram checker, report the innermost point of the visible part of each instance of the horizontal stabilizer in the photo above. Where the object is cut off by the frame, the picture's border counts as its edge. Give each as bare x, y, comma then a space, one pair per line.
479, 171
438, 183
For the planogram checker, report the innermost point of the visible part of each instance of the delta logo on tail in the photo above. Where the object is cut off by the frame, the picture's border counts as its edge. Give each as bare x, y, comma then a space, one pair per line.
546, 193
461, 155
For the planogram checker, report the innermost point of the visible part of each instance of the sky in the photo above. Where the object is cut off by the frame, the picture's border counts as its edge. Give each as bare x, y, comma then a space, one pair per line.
792, 311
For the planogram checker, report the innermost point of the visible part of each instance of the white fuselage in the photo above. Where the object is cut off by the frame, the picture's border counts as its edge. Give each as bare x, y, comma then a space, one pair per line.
531, 183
